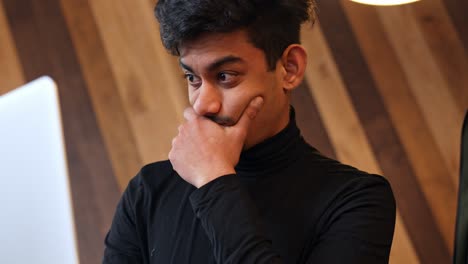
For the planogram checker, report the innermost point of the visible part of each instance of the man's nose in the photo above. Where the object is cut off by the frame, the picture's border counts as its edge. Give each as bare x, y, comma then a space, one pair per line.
208, 102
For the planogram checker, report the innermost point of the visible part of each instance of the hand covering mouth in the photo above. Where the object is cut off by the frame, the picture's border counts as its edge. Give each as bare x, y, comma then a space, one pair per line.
222, 120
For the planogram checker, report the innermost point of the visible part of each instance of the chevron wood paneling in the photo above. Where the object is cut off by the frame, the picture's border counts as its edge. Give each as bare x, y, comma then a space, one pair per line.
408, 120
385, 91
11, 74
44, 46
342, 123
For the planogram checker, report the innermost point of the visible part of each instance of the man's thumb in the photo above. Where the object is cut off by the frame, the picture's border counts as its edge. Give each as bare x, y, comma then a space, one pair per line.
250, 113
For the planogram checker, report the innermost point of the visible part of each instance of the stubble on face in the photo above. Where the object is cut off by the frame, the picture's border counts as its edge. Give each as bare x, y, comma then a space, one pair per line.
257, 81
222, 120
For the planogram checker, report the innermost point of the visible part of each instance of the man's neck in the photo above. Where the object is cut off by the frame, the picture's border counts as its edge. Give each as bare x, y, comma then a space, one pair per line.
284, 120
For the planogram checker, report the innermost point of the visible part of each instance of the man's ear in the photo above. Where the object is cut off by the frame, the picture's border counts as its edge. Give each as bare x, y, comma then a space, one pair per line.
293, 61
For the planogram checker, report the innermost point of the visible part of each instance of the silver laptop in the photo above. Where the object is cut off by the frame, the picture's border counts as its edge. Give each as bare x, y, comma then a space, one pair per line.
36, 216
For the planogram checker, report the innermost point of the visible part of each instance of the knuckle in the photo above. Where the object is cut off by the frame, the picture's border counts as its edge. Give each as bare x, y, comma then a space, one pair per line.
251, 113
192, 124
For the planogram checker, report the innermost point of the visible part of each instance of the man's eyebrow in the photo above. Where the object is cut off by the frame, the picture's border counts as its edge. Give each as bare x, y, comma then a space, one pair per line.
216, 64
186, 67
225, 60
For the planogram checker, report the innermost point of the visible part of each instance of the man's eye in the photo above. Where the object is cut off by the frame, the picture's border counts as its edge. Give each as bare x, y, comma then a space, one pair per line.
190, 77
192, 80
225, 77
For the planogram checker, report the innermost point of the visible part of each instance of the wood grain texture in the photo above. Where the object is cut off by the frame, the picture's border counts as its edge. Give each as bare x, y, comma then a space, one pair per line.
445, 45
343, 126
310, 121
426, 81
382, 135
11, 73
407, 118
101, 85
94, 189
385, 92
457, 10
149, 86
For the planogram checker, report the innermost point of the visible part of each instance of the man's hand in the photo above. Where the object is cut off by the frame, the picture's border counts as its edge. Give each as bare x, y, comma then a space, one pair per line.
204, 150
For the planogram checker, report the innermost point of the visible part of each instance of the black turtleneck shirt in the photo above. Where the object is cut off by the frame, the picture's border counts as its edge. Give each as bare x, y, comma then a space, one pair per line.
287, 203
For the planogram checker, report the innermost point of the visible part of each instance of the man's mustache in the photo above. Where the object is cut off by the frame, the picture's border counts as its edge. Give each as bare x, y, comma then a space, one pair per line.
222, 120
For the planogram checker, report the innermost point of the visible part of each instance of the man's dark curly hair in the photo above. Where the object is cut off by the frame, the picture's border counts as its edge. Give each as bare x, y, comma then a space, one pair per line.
272, 25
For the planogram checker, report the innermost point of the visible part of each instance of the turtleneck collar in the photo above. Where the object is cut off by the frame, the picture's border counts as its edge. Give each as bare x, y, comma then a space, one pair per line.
274, 153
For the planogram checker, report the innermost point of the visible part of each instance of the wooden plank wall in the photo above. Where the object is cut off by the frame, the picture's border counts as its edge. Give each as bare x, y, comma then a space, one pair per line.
386, 90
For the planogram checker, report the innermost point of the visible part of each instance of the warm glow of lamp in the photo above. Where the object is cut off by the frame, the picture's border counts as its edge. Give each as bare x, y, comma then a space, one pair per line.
384, 2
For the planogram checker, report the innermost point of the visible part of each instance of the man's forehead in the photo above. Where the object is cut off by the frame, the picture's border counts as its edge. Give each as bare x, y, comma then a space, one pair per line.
216, 43
215, 49
213, 63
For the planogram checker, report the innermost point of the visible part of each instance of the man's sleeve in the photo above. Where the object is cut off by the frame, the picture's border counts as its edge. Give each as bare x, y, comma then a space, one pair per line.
359, 229
359, 226
122, 243
231, 222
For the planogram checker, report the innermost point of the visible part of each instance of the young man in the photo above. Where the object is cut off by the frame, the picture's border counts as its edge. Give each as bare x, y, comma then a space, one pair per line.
241, 185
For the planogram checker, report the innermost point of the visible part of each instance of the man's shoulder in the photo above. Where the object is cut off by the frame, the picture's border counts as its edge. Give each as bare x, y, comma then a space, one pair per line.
345, 175
337, 179
339, 188
353, 186
351, 180
338, 173
367, 184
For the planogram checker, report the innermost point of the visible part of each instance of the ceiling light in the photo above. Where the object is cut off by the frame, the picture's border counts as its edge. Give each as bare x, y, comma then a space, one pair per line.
384, 2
